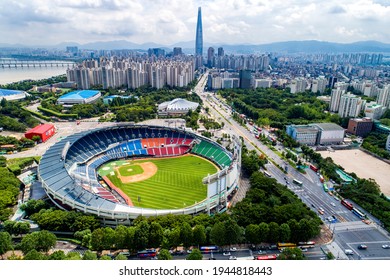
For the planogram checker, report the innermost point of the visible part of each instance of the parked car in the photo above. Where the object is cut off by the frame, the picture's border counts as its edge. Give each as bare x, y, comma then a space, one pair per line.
226, 254
232, 258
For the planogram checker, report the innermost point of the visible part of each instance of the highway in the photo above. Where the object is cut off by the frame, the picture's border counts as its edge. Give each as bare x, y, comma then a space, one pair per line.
311, 192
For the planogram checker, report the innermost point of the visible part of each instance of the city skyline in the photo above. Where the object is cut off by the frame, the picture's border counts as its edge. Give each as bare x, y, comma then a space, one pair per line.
38, 22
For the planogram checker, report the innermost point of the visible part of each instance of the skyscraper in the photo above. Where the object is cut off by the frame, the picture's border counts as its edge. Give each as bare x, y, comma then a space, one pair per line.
199, 35
210, 57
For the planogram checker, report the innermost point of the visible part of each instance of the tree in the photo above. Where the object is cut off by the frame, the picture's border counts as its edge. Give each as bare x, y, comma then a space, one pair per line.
284, 232
196, 254
217, 234
233, 233
186, 234
102, 238
263, 232
141, 235
199, 235
155, 235
105, 258
58, 255
73, 256
291, 254
5, 242
88, 255
164, 255
252, 233
41, 241
34, 255
273, 235
120, 257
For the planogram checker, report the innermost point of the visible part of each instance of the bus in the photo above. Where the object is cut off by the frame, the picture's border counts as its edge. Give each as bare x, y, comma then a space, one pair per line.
148, 253
347, 204
314, 168
208, 249
286, 245
359, 213
266, 257
308, 244
325, 188
266, 173
295, 181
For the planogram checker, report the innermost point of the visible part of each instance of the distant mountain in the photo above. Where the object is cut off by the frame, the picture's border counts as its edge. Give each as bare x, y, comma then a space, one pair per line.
188, 47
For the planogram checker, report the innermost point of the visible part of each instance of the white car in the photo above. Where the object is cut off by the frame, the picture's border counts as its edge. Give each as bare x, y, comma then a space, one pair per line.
386, 246
333, 204
232, 258
226, 254
233, 249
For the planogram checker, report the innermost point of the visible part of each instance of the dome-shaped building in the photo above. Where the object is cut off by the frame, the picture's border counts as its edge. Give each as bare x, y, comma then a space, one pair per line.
176, 107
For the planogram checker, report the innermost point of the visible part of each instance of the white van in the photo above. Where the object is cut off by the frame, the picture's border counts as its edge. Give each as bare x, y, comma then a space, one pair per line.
348, 252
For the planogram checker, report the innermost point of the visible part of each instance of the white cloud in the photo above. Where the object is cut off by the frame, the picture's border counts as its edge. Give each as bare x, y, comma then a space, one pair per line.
167, 22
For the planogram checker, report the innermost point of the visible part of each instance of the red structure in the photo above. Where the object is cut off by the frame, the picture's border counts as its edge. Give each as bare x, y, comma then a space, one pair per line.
44, 131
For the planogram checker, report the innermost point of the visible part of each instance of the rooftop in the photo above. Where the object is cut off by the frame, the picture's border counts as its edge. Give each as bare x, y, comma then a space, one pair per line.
7, 92
328, 126
41, 128
79, 94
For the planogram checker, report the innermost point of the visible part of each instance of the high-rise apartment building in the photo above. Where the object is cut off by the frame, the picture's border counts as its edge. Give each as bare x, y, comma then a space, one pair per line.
335, 99
350, 106
177, 51
383, 97
199, 35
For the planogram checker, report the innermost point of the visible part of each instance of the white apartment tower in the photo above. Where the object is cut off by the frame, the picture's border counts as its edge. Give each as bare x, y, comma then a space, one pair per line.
350, 106
335, 99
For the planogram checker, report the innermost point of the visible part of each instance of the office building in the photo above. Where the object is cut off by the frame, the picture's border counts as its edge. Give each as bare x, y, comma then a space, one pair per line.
360, 126
245, 78
199, 35
210, 57
350, 106
221, 52
262, 83
177, 51
79, 97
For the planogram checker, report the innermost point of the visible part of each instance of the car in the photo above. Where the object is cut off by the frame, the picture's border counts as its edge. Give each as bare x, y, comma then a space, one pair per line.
232, 258
386, 246
304, 249
233, 249
336, 198
260, 252
362, 247
333, 204
330, 219
226, 254
348, 252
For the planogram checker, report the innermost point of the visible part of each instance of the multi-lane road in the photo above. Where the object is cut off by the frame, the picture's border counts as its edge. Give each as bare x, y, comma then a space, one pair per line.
348, 230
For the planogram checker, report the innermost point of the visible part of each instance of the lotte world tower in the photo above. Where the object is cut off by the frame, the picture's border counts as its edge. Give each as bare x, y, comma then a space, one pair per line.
199, 36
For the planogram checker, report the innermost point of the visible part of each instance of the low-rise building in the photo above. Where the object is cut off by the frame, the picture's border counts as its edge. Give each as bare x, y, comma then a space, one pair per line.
176, 107
303, 134
79, 97
317, 134
360, 126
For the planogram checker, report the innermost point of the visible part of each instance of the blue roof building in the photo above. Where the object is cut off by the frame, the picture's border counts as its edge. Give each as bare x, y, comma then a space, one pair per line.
79, 97
9, 94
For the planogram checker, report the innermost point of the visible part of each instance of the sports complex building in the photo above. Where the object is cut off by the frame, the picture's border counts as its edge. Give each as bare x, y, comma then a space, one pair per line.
71, 172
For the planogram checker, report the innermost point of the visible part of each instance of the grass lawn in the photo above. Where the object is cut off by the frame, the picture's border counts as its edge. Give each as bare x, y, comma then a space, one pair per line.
130, 170
177, 183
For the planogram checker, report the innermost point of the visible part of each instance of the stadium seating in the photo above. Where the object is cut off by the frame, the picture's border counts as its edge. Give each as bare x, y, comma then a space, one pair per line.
212, 152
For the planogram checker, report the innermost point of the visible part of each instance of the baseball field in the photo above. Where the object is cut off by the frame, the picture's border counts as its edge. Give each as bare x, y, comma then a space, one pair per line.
164, 183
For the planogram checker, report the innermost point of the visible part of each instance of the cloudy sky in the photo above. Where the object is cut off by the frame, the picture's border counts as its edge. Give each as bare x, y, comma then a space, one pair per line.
48, 22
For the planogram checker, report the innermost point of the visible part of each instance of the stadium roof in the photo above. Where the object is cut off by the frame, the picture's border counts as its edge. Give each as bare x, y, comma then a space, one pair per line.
40, 128
79, 94
178, 104
7, 92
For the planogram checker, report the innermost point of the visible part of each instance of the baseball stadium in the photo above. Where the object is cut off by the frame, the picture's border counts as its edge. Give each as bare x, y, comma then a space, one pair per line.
124, 171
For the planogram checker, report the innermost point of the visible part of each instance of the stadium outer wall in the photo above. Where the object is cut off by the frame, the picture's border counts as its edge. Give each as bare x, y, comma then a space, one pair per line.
67, 192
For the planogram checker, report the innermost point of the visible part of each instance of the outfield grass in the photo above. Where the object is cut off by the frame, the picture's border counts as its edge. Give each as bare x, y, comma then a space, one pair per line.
130, 170
177, 183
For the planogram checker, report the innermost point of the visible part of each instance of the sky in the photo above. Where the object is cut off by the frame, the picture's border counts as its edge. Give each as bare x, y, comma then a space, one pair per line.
49, 22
